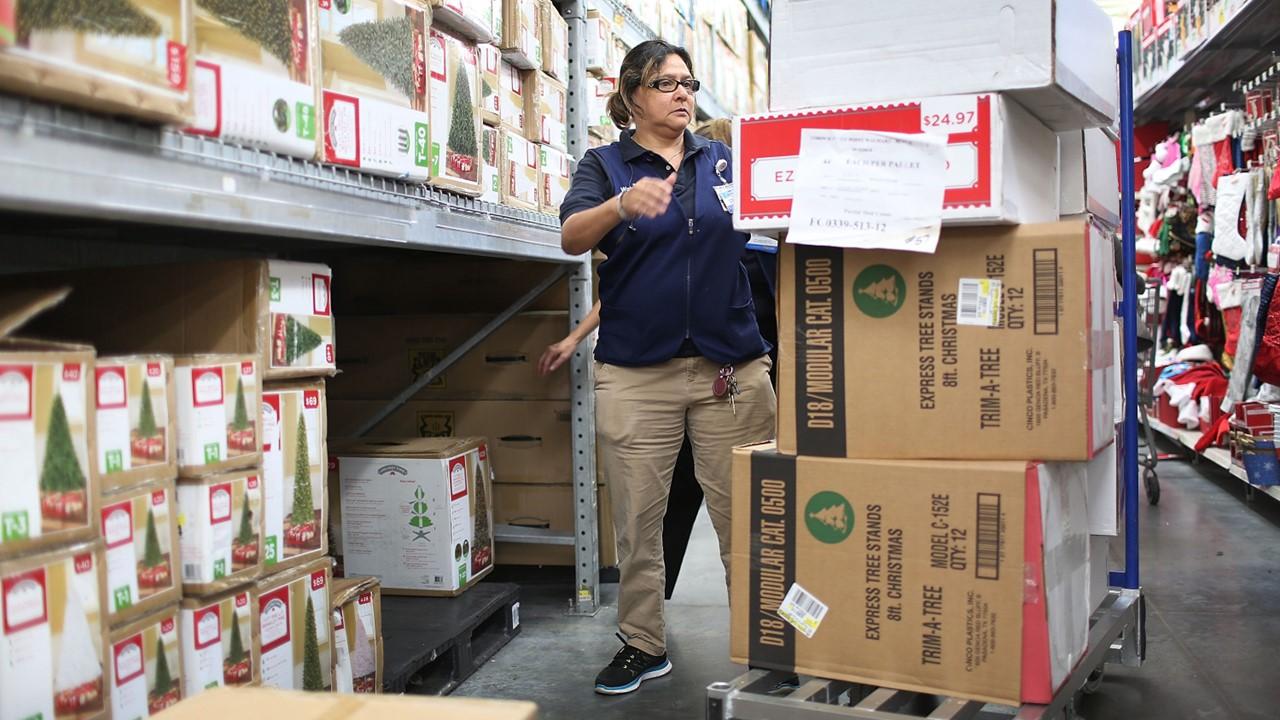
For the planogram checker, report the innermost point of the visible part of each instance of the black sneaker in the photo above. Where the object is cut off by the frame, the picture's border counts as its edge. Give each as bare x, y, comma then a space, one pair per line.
630, 667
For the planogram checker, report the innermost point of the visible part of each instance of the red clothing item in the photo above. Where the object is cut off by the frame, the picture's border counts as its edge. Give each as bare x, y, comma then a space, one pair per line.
1225, 164
1215, 435
1231, 319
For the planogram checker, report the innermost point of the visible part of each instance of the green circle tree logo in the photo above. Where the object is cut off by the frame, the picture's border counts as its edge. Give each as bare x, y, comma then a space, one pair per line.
879, 291
829, 517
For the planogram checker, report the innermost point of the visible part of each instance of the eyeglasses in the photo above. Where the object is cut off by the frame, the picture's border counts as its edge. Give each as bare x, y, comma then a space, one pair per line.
669, 85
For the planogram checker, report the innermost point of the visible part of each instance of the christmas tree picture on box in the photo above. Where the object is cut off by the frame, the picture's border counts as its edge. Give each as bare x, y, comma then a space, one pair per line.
96, 17
146, 438
312, 678
165, 692
292, 341
154, 570
78, 679
269, 25
302, 524
462, 156
482, 550
241, 437
63, 499
245, 544
237, 666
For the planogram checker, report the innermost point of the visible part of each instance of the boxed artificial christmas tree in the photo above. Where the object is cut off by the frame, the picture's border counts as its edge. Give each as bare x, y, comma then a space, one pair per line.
522, 33
256, 74
220, 529
517, 101
140, 532
217, 428
555, 43
549, 122
519, 171
136, 404
52, 635
553, 168
294, 467
275, 309
490, 84
490, 162
599, 124
357, 635
471, 19
219, 641
118, 56
417, 513
295, 630
46, 429
146, 665
455, 113
374, 109
599, 55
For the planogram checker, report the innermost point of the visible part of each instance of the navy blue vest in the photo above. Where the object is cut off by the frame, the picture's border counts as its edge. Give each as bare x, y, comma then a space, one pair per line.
674, 277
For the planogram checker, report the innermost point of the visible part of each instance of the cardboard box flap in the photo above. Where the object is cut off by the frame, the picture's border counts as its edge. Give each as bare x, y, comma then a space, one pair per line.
346, 589
428, 447
268, 702
17, 308
271, 582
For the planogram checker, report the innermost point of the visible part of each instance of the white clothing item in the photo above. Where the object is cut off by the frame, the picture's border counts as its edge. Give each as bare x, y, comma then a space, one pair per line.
1256, 216
1180, 280
1204, 221
1206, 411
1188, 411
1268, 393
1217, 128
1195, 353
1227, 241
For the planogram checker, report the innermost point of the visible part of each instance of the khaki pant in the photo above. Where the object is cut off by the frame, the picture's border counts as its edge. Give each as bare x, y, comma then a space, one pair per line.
642, 415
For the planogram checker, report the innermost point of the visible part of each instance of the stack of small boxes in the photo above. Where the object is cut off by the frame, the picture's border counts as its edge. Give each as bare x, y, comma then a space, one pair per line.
955, 467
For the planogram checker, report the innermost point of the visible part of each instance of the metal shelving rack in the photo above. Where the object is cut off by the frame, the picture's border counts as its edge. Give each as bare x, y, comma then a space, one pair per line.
1117, 630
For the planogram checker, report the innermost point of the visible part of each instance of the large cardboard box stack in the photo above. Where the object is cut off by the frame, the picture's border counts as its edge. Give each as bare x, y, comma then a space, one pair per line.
53, 641
219, 641
146, 665
374, 108
257, 73
951, 472
295, 632
555, 43
357, 635
124, 57
522, 33
455, 113
415, 513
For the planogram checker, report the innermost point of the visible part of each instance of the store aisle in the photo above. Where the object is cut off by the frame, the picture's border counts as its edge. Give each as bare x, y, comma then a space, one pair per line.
1211, 567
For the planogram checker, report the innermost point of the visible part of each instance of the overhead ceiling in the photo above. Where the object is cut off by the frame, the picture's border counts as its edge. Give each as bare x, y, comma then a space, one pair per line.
1120, 10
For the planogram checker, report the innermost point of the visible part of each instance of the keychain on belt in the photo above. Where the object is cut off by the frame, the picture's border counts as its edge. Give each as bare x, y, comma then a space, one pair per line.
726, 384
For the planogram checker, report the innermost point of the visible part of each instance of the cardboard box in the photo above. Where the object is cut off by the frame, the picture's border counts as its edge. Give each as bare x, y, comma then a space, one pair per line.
517, 100
999, 158
455, 113
357, 635
490, 162
416, 513
555, 43
1099, 570
217, 427
135, 406
530, 439
471, 19
254, 702
598, 56
548, 124
47, 429
549, 507
140, 532
257, 74
519, 171
295, 463
275, 309
384, 354
961, 579
127, 59
219, 641
1056, 58
553, 168
1106, 493
146, 665
1090, 176
599, 123
220, 530
522, 33
373, 111
490, 84
295, 631
1035, 381
52, 639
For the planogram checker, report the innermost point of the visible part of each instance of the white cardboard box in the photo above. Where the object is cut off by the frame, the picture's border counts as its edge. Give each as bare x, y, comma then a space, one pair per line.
1000, 165
1105, 495
1090, 180
1057, 57
416, 513
1099, 570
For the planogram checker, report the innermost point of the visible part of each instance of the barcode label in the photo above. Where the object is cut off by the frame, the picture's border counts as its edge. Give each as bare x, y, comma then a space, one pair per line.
987, 564
1047, 291
979, 302
802, 610
191, 572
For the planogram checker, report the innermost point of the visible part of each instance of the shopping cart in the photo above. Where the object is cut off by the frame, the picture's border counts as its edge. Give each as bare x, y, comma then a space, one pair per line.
1150, 316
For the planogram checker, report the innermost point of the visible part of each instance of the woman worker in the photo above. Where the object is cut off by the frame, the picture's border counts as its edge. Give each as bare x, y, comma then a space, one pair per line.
679, 350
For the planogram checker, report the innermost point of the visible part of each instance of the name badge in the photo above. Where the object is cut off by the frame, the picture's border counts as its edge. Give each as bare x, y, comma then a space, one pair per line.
725, 193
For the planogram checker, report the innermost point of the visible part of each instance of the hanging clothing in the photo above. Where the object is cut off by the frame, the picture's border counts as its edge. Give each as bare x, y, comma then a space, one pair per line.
1227, 240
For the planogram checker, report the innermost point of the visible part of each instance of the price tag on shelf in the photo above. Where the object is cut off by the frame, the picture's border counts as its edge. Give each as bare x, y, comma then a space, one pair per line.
949, 115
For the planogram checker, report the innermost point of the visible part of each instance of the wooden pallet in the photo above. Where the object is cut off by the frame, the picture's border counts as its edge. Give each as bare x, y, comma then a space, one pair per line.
430, 645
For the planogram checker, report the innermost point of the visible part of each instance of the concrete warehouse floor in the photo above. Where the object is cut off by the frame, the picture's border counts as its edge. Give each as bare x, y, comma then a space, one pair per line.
1210, 567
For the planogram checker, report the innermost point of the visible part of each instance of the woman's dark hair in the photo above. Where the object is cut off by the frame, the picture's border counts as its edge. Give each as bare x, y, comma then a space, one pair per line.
639, 68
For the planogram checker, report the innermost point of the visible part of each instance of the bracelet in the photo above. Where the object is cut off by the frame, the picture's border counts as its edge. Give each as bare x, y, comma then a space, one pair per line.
622, 214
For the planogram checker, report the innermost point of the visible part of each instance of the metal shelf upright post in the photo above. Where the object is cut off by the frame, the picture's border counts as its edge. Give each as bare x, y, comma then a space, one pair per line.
1117, 630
